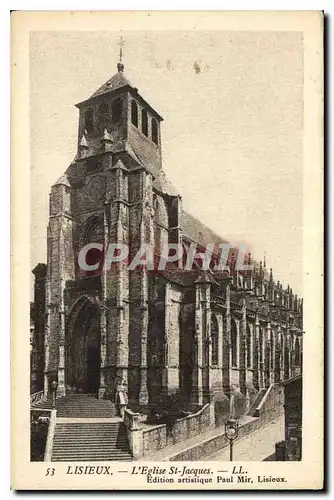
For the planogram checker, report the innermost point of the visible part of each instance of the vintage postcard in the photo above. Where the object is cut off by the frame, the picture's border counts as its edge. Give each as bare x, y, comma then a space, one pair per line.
167, 235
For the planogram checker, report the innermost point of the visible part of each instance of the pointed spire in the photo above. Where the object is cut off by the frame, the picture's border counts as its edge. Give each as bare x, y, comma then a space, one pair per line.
264, 261
249, 273
106, 137
261, 270
271, 285
62, 181
83, 147
83, 143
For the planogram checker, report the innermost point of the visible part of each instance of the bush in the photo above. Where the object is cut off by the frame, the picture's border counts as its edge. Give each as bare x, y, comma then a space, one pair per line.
38, 437
166, 410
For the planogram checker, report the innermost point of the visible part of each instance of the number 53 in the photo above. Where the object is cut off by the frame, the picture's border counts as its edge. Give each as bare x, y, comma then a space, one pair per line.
50, 471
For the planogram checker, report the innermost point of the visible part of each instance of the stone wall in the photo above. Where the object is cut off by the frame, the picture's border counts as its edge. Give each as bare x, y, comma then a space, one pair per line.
154, 439
144, 442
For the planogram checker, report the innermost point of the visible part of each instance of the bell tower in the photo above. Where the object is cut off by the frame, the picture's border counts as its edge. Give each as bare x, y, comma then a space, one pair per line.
118, 113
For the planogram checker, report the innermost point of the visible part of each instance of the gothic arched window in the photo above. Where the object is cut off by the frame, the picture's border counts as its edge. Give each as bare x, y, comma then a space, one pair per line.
271, 350
94, 230
261, 346
103, 113
134, 113
234, 347
297, 352
249, 347
94, 233
89, 120
116, 110
155, 137
214, 340
144, 122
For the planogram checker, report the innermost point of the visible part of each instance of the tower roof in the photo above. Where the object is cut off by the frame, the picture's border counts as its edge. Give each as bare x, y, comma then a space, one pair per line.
63, 180
115, 82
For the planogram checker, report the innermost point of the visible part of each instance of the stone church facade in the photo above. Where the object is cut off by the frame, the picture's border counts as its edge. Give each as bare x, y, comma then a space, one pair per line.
204, 334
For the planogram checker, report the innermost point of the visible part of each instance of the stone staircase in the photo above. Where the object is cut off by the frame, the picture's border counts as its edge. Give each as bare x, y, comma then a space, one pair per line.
90, 441
81, 406
256, 402
87, 429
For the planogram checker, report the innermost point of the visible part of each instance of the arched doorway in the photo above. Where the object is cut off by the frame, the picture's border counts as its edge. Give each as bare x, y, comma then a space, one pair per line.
82, 347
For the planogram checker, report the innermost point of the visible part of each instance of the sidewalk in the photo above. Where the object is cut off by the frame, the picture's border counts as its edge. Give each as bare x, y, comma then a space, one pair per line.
255, 446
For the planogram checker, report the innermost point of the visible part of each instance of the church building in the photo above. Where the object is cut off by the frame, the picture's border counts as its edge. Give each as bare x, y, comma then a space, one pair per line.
203, 334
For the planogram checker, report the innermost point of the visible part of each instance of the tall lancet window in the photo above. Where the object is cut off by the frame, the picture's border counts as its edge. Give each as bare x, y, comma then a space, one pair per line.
89, 120
214, 340
103, 115
144, 122
297, 352
234, 346
116, 110
155, 137
261, 346
134, 113
249, 347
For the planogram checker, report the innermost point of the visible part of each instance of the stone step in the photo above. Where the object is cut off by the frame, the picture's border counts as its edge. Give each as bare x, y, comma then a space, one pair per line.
59, 448
80, 439
114, 458
91, 453
86, 441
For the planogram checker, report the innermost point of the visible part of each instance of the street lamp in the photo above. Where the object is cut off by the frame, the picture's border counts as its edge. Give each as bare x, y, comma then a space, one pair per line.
54, 386
231, 432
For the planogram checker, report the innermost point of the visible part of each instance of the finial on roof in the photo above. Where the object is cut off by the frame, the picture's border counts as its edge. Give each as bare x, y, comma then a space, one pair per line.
120, 65
261, 274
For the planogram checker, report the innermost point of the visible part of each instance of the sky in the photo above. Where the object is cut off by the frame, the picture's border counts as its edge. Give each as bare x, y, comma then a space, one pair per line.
232, 136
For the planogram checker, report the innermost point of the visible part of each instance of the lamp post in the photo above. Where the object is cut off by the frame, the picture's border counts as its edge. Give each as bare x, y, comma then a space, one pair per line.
54, 386
231, 432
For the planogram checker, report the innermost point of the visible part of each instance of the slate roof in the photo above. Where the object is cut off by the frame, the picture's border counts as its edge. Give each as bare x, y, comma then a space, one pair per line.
196, 231
115, 82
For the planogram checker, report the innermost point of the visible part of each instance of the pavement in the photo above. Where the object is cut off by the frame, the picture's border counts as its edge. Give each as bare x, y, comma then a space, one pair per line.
255, 446
169, 451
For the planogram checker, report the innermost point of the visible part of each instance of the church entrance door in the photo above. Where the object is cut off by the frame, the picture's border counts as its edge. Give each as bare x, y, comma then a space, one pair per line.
93, 368
83, 357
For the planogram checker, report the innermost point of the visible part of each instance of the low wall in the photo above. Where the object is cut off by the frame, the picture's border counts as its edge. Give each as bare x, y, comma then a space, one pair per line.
270, 408
144, 441
271, 405
154, 439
